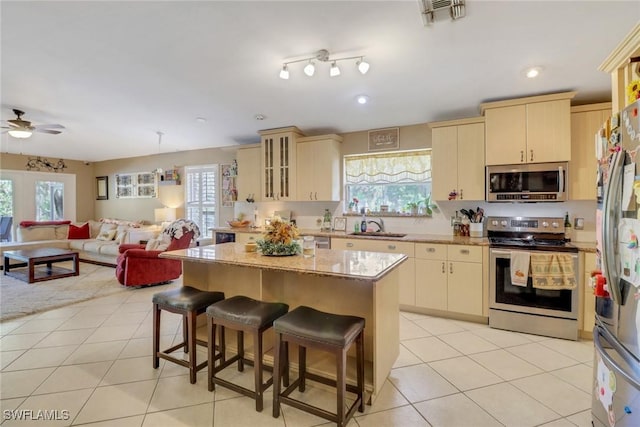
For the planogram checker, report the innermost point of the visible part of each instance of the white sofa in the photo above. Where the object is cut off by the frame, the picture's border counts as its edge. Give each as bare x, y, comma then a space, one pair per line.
90, 250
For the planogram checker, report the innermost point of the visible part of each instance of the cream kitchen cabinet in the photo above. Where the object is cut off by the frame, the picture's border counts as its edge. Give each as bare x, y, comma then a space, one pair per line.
278, 163
407, 273
449, 278
589, 300
528, 130
586, 120
318, 168
249, 173
458, 159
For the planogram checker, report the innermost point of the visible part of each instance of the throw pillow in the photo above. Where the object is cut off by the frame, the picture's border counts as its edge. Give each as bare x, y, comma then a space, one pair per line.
81, 232
106, 235
152, 244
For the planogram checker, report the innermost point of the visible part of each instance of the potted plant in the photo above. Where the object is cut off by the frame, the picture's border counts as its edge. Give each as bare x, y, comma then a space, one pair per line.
413, 207
428, 206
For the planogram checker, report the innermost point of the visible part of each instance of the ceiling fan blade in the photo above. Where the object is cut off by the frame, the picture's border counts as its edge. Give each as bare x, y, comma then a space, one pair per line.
54, 132
13, 125
51, 126
19, 123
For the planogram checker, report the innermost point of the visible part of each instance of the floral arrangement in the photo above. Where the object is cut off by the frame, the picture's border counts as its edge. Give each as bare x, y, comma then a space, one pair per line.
633, 91
354, 203
280, 238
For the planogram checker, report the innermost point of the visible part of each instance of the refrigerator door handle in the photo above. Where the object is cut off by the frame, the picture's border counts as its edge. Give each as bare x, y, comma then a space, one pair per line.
598, 333
561, 178
609, 223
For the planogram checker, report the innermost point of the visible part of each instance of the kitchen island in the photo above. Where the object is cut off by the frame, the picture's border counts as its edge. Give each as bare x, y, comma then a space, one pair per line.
356, 283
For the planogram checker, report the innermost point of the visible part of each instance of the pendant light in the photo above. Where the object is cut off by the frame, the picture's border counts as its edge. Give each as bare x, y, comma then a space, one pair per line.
323, 56
334, 71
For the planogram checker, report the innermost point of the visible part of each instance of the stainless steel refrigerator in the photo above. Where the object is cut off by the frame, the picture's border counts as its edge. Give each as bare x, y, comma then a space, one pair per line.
616, 336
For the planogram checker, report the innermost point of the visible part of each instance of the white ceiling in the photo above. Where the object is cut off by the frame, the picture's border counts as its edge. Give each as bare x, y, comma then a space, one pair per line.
115, 73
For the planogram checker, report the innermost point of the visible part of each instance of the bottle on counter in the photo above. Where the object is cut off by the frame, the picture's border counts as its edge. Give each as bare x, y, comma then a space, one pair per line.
567, 227
457, 222
326, 221
363, 223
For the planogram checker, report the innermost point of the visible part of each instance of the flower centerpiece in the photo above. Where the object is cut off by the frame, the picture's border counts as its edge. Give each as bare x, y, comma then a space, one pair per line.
280, 239
353, 204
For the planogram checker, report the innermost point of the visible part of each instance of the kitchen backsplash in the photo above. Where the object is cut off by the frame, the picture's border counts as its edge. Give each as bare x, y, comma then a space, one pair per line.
309, 214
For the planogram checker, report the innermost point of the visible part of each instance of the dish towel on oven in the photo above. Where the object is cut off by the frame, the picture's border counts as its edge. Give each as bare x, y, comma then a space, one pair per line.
552, 271
519, 268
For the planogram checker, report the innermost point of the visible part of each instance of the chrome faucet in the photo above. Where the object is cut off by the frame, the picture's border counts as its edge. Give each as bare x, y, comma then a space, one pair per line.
379, 223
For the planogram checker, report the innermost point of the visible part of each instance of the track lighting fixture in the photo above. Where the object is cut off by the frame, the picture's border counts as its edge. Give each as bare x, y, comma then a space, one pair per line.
323, 56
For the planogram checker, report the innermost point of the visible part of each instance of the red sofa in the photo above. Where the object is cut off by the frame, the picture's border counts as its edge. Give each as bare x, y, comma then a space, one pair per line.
137, 266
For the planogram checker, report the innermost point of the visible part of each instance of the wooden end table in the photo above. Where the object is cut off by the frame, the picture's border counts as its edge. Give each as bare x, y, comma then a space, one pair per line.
26, 269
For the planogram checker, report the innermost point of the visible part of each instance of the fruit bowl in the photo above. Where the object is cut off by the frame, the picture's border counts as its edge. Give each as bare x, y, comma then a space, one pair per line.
239, 224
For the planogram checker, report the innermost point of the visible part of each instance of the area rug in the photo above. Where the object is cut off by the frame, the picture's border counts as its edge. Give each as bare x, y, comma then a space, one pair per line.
18, 298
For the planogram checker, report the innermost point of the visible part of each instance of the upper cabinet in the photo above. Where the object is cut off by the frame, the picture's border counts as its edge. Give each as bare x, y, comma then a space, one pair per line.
586, 120
278, 163
249, 172
318, 168
536, 129
458, 159
622, 70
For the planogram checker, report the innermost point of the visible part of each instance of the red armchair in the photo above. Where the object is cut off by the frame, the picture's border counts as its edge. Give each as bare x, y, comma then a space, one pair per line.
137, 266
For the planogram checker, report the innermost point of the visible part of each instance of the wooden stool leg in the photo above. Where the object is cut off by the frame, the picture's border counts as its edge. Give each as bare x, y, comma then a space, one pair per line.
192, 346
222, 346
285, 367
211, 349
278, 348
185, 333
241, 351
257, 368
302, 367
156, 335
360, 368
341, 381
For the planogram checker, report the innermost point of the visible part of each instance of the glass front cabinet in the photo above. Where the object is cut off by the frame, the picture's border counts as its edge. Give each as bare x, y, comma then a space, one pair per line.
278, 163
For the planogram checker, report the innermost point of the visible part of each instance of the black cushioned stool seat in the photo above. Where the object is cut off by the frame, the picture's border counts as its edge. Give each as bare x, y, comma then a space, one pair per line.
243, 314
189, 302
333, 333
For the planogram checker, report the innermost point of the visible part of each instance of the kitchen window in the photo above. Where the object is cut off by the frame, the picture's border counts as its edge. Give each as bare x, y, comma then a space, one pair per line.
395, 179
200, 203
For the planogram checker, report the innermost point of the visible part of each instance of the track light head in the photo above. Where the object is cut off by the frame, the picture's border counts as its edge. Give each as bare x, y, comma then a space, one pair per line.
363, 66
310, 69
284, 73
334, 71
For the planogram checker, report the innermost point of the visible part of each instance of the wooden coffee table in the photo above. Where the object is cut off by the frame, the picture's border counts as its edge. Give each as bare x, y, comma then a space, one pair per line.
27, 268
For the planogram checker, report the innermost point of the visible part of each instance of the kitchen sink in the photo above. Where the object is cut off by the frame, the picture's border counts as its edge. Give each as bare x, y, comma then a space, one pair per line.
378, 234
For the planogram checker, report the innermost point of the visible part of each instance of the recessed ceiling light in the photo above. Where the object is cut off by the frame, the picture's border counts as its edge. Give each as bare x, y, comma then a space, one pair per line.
533, 72
362, 99
259, 117
201, 120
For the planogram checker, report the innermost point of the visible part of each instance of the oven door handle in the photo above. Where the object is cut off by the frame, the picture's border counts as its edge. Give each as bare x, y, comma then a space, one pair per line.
500, 252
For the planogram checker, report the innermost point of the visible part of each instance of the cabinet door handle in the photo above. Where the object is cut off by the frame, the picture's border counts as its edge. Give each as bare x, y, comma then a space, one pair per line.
431, 250
464, 251
252, 238
316, 195
391, 247
521, 156
443, 267
531, 156
310, 195
451, 267
461, 196
349, 245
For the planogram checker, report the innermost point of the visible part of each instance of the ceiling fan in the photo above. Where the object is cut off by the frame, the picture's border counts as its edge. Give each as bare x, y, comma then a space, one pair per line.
19, 128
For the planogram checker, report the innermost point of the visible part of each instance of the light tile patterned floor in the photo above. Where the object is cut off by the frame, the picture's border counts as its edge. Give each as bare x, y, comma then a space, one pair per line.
93, 359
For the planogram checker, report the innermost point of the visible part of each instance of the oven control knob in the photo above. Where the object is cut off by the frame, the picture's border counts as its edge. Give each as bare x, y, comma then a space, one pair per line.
545, 224
555, 225
494, 223
503, 223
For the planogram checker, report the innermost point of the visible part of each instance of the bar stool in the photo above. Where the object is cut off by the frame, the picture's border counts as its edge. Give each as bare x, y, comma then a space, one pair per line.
189, 302
334, 333
243, 314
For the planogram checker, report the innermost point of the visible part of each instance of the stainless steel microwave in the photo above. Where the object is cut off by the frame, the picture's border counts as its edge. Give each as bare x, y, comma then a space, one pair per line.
536, 182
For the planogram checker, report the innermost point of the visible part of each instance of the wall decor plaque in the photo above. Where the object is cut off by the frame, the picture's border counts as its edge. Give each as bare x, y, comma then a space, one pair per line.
384, 139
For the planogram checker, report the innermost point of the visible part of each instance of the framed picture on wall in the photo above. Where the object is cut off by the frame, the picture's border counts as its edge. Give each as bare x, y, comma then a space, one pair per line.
384, 139
102, 192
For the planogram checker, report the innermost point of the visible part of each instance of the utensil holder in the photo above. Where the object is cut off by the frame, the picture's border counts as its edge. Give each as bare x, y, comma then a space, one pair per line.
476, 229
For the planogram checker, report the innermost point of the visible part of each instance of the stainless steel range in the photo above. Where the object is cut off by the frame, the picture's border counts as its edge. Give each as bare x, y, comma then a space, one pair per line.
525, 308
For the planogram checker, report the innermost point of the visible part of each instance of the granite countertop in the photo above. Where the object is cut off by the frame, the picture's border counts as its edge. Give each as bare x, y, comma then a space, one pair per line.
410, 237
345, 264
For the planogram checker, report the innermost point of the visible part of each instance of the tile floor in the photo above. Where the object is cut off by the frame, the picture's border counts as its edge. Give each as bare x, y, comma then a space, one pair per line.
93, 359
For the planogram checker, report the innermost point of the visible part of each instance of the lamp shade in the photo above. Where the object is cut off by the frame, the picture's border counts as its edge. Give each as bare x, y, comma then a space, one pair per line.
20, 133
165, 214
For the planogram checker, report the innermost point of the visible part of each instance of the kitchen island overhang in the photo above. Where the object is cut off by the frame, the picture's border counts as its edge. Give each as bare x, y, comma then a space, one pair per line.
355, 283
